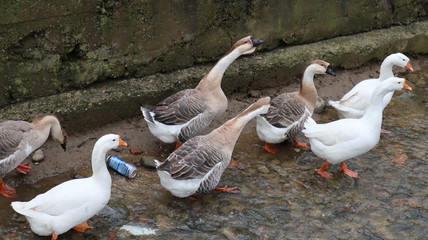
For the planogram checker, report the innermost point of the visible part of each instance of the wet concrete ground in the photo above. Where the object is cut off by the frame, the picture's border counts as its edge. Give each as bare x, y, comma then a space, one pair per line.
281, 195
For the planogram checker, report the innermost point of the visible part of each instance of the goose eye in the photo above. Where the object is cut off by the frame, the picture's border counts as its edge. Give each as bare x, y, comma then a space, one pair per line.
114, 140
404, 59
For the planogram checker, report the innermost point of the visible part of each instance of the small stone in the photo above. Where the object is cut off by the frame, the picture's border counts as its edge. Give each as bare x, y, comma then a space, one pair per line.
135, 151
148, 161
253, 94
263, 169
38, 156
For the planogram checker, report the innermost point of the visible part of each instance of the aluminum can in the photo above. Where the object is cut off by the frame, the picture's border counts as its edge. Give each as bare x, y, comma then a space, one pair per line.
121, 166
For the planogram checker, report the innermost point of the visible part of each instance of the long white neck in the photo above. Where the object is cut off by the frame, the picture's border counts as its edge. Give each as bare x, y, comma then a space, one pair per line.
386, 69
99, 167
373, 115
214, 77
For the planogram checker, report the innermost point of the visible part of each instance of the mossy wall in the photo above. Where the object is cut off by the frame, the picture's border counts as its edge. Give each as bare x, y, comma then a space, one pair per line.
48, 47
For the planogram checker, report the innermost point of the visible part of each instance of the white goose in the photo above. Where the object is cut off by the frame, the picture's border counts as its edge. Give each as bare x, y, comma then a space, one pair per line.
347, 138
355, 103
18, 139
289, 111
197, 166
72, 203
188, 112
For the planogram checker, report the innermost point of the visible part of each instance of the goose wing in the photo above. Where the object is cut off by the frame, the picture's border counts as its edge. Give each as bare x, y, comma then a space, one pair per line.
193, 160
179, 108
285, 110
11, 135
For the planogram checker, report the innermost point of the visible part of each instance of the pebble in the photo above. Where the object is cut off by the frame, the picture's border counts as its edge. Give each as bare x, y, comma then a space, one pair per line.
38, 156
148, 161
263, 169
254, 94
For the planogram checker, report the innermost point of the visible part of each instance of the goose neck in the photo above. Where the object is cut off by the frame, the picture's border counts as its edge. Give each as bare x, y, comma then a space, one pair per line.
214, 77
307, 86
386, 70
99, 167
374, 112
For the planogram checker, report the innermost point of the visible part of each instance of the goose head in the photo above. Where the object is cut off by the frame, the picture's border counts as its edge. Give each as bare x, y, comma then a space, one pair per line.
394, 84
56, 131
110, 141
259, 107
321, 67
399, 59
62, 139
247, 45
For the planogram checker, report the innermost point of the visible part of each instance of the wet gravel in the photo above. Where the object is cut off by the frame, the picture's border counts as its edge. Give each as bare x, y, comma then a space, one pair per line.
281, 196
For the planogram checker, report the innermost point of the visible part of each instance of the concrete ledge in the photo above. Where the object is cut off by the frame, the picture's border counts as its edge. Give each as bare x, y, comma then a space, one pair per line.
108, 102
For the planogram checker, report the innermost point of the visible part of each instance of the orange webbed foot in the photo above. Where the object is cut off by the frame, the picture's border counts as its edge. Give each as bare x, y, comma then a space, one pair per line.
348, 172
299, 144
82, 227
233, 164
7, 190
324, 173
227, 189
23, 168
271, 148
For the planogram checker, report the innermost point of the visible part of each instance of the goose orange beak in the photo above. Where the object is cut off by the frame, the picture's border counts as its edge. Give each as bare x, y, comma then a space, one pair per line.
122, 143
405, 86
409, 66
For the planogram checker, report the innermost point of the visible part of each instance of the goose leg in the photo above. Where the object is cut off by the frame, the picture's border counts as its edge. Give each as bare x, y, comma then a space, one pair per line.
299, 144
23, 168
227, 189
82, 227
54, 236
271, 148
322, 171
348, 172
7, 190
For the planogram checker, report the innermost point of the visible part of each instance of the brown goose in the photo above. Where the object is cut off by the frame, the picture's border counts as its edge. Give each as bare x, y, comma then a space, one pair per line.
188, 112
19, 138
289, 111
196, 166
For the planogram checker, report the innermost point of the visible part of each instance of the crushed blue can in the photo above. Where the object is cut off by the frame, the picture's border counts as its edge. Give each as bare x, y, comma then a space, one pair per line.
121, 166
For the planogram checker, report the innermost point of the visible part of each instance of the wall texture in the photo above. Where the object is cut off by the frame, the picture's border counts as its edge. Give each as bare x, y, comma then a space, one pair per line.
49, 47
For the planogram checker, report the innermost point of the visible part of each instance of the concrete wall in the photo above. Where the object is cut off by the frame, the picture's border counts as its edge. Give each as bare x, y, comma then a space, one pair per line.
49, 47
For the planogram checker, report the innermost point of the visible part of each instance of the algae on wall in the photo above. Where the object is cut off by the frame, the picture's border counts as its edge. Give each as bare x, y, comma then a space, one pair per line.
49, 47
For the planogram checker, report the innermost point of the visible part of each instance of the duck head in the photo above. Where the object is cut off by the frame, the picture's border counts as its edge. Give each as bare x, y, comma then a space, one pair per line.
247, 45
